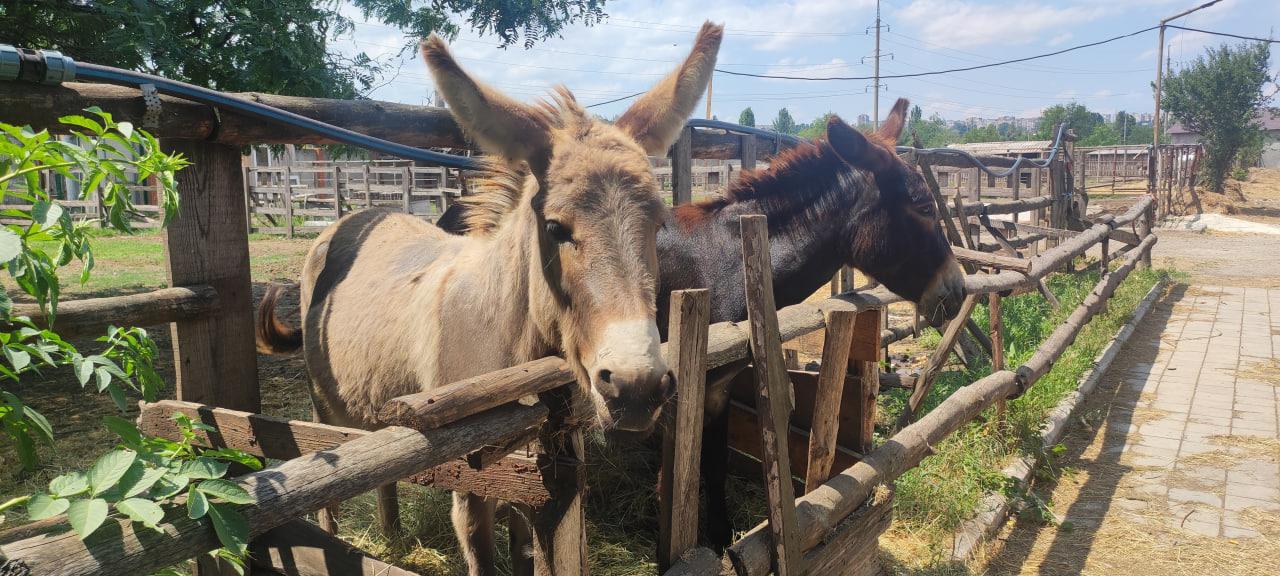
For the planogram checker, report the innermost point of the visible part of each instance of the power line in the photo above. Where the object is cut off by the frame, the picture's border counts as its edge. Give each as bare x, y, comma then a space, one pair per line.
949, 71
616, 99
1254, 38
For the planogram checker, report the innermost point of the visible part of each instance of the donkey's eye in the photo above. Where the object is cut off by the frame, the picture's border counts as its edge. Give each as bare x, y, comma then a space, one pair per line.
559, 232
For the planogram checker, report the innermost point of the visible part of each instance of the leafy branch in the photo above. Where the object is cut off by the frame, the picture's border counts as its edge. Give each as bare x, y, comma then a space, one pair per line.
140, 477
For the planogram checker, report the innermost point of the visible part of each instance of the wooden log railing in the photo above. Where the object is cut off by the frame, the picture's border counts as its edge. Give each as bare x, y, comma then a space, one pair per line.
818, 512
282, 492
94, 315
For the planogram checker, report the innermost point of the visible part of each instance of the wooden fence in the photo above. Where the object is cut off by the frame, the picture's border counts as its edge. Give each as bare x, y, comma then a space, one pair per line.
291, 199
464, 436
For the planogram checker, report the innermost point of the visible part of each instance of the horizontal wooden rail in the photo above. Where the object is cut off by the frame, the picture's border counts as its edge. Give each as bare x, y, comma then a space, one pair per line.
824, 508
419, 126
93, 315
991, 260
283, 492
435, 408
1007, 207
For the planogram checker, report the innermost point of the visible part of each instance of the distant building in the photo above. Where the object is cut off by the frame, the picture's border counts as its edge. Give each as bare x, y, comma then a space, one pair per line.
1145, 119
1270, 124
864, 119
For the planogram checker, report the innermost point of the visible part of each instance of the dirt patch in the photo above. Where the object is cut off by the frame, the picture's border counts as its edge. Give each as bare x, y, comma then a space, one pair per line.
1221, 259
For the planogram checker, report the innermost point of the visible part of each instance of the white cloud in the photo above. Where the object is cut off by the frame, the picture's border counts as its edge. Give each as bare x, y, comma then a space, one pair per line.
1061, 38
962, 23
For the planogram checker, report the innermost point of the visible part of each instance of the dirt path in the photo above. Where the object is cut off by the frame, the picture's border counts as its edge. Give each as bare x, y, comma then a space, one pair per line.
1174, 465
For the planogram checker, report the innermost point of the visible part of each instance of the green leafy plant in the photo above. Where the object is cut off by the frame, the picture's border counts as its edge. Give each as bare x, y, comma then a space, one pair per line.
139, 478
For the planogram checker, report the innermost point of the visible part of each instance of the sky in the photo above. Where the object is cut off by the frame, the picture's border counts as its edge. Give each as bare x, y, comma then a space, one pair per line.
642, 40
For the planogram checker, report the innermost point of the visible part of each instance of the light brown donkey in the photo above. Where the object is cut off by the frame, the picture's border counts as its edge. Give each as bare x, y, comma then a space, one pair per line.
392, 305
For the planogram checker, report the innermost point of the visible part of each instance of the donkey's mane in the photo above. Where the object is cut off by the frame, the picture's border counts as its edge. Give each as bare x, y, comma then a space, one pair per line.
501, 185
799, 184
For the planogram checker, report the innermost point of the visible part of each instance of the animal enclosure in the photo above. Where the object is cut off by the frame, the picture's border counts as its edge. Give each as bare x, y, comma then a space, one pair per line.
470, 435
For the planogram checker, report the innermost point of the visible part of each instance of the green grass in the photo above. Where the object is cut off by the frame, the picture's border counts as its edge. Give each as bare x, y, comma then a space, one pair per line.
933, 499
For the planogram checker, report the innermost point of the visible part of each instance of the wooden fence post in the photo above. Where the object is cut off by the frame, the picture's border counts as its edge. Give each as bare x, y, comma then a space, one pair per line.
827, 397
682, 439
337, 193
288, 201
406, 176
682, 168
772, 393
248, 201
215, 361
1145, 223
368, 186
207, 243
748, 153
864, 354
996, 320
559, 539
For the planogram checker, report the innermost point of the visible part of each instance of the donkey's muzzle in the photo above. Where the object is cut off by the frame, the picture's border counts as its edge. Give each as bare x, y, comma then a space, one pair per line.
942, 300
629, 377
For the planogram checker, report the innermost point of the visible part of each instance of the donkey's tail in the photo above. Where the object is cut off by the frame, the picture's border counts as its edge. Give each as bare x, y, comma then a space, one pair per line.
274, 336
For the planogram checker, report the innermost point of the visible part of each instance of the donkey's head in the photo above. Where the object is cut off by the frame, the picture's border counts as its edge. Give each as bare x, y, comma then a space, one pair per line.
594, 208
898, 240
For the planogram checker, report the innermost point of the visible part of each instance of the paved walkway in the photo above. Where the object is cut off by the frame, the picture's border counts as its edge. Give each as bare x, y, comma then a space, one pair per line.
1177, 469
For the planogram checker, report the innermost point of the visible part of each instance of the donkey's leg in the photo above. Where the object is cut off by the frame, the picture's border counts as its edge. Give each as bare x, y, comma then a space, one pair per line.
473, 519
327, 516
715, 453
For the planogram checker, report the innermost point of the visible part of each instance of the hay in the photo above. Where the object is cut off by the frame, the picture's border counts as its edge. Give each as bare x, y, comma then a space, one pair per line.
1267, 371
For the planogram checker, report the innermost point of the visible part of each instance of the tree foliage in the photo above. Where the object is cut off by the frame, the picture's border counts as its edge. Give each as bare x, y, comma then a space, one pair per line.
933, 132
276, 46
1077, 116
1220, 97
747, 117
140, 475
784, 123
817, 128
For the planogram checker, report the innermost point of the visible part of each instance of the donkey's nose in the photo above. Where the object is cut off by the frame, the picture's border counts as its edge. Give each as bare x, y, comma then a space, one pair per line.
605, 386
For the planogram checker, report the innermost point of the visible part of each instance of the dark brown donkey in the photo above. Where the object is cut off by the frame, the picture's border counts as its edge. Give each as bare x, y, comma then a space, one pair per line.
846, 200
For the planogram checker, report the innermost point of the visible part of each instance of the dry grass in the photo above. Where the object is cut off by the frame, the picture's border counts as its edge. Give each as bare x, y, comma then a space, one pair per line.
1263, 371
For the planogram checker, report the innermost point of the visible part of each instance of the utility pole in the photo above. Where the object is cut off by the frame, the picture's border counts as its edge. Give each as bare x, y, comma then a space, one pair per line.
876, 85
1155, 121
875, 95
710, 81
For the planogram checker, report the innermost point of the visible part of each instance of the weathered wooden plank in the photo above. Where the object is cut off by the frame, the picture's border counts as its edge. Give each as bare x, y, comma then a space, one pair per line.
852, 549
214, 356
827, 397
440, 406
511, 479
682, 441
300, 548
773, 397
682, 168
283, 492
93, 315
257, 434
864, 354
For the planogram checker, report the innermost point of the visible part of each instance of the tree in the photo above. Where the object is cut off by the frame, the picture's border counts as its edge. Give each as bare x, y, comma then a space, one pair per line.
988, 133
276, 46
784, 123
933, 133
817, 128
747, 117
1219, 97
1076, 116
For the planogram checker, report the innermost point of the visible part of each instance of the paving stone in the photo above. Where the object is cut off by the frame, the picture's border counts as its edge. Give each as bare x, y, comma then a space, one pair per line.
1257, 492
1239, 532
1240, 503
1195, 496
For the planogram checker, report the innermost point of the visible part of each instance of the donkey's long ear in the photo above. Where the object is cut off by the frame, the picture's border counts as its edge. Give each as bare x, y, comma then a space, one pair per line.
891, 129
656, 118
497, 123
855, 148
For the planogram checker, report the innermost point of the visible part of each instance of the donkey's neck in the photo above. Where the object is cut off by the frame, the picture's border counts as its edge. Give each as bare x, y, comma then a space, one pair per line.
813, 203
514, 293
